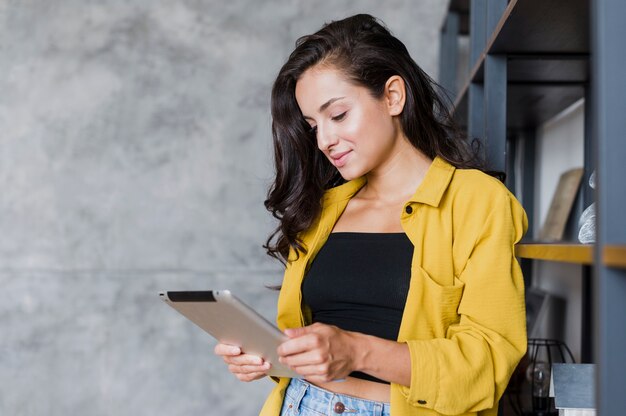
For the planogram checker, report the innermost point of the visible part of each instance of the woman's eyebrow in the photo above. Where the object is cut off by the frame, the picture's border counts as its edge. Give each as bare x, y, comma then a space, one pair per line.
329, 102
325, 106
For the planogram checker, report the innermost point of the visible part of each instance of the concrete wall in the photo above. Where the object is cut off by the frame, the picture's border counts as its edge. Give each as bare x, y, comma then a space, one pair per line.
135, 157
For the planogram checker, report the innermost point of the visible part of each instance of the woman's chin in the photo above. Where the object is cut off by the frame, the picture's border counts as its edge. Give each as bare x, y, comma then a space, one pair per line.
349, 174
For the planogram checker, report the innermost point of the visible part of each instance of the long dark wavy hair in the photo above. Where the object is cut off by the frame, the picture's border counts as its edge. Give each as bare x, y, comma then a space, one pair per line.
367, 54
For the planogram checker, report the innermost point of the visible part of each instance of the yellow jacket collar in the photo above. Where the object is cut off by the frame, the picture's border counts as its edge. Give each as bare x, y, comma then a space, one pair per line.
435, 183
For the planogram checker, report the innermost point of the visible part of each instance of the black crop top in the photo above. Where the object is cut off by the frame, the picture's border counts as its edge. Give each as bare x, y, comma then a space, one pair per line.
359, 282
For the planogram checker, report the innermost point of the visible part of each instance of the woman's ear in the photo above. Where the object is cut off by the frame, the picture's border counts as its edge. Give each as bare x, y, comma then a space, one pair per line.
395, 95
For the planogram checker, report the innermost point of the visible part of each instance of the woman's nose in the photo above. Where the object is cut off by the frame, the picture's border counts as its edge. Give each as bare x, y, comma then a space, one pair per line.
326, 138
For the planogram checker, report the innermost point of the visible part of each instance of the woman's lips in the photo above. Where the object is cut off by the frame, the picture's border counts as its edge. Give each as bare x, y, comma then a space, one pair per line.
340, 159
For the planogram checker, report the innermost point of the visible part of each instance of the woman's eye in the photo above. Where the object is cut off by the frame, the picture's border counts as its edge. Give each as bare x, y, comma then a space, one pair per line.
340, 116
313, 130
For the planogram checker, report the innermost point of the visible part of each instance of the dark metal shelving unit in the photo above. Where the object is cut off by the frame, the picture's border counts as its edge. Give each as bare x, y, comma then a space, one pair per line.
529, 61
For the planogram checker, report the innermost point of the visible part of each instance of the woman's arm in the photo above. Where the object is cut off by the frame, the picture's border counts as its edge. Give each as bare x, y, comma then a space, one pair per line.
469, 369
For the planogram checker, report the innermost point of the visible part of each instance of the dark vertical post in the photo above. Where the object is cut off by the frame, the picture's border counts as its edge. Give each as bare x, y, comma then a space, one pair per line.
477, 30
511, 153
609, 89
495, 94
528, 194
448, 52
478, 39
476, 115
495, 111
528, 184
495, 10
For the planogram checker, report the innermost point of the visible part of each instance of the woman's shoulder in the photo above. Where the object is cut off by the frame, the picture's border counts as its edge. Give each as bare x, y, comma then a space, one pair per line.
477, 198
475, 181
477, 188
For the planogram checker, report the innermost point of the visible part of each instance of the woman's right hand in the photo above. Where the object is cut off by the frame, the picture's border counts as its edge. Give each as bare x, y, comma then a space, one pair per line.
245, 367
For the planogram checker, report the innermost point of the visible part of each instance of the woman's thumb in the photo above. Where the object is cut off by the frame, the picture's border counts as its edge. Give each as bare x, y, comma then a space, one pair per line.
295, 332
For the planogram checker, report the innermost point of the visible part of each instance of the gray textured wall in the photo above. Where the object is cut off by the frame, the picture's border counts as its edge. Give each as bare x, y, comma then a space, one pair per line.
134, 157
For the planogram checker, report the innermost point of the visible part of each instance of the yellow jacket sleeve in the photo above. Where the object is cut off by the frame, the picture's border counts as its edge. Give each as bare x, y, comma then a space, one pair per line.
469, 369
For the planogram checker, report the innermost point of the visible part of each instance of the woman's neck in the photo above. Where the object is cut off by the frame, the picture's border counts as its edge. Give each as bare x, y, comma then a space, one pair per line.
399, 177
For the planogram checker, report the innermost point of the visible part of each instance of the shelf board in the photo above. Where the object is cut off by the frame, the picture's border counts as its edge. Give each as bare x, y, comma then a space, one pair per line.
531, 105
540, 26
540, 68
614, 256
562, 252
527, 105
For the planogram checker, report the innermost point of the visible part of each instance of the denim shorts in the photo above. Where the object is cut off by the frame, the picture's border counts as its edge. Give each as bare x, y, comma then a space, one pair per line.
305, 399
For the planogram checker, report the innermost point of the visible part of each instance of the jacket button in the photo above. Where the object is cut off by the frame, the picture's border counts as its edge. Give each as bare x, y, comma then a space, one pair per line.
339, 408
421, 401
408, 209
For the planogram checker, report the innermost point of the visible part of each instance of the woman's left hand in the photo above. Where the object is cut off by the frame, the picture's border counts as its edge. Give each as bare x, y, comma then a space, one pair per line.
319, 352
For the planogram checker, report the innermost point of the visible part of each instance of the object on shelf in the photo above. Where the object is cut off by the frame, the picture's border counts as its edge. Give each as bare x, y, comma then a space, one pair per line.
561, 205
529, 389
587, 222
572, 386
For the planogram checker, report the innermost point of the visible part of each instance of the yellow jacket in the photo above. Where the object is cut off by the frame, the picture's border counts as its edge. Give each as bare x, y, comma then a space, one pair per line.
464, 320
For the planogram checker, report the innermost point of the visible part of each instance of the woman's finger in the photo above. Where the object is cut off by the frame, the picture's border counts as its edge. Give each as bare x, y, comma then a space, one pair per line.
244, 359
300, 344
250, 376
307, 358
249, 369
227, 350
320, 370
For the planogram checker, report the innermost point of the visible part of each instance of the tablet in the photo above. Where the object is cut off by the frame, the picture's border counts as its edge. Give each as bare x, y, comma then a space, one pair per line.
232, 322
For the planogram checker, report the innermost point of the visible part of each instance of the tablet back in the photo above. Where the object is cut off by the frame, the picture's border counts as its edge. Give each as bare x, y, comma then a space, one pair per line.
232, 322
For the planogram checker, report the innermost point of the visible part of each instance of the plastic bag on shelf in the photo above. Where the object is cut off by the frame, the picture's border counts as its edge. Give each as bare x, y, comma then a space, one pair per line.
587, 222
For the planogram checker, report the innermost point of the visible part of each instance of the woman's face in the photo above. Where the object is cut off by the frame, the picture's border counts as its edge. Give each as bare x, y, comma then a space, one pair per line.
355, 131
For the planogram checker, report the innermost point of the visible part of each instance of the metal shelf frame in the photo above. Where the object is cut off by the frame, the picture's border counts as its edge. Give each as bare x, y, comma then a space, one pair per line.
529, 60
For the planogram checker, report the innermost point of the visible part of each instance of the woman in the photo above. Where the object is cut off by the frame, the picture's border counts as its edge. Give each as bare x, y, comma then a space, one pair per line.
401, 294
